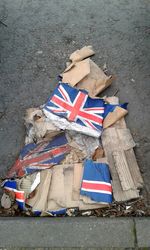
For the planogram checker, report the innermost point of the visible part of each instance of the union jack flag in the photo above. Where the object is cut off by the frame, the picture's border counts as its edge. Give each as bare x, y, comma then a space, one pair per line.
96, 182
76, 106
36, 157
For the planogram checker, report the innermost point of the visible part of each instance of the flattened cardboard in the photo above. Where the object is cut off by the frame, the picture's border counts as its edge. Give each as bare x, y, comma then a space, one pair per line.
77, 72
56, 196
77, 179
60, 188
39, 200
88, 76
81, 54
68, 183
118, 138
96, 81
121, 165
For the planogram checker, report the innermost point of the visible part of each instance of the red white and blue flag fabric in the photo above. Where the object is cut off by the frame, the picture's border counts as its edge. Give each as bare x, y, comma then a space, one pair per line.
11, 186
36, 157
96, 182
81, 112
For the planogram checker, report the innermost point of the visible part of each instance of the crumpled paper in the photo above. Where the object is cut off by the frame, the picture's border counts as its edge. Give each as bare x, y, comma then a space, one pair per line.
87, 144
38, 126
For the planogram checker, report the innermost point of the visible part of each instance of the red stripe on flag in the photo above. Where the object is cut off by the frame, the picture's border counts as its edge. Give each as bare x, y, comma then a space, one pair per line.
96, 186
75, 111
61, 103
19, 195
94, 109
63, 93
91, 117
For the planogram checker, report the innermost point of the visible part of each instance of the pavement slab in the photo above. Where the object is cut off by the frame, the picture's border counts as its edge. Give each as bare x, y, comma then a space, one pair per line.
143, 232
68, 232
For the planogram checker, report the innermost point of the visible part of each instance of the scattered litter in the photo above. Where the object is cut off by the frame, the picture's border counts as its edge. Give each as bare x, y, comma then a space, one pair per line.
132, 80
78, 157
6, 201
87, 213
128, 207
72, 212
39, 52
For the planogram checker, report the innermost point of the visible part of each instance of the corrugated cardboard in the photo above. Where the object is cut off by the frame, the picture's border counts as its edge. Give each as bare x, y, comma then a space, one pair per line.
79, 55
60, 188
118, 146
87, 75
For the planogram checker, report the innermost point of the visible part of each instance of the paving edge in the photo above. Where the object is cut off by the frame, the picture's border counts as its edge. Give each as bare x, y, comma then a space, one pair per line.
79, 232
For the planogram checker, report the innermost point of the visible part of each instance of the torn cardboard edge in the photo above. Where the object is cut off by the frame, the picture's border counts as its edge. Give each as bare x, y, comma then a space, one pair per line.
85, 74
114, 116
82, 53
88, 76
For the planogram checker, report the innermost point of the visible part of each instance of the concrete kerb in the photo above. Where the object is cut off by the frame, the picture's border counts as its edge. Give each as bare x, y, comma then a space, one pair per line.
142, 226
74, 232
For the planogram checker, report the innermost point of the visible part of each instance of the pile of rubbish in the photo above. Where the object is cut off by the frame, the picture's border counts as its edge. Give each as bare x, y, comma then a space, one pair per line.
78, 157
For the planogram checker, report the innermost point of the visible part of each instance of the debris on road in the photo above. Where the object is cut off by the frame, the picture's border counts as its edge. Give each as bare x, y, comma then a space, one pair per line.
85, 74
78, 157
118, 145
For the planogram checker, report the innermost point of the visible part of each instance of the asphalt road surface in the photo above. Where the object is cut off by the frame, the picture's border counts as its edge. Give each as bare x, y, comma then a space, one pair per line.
36, 43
